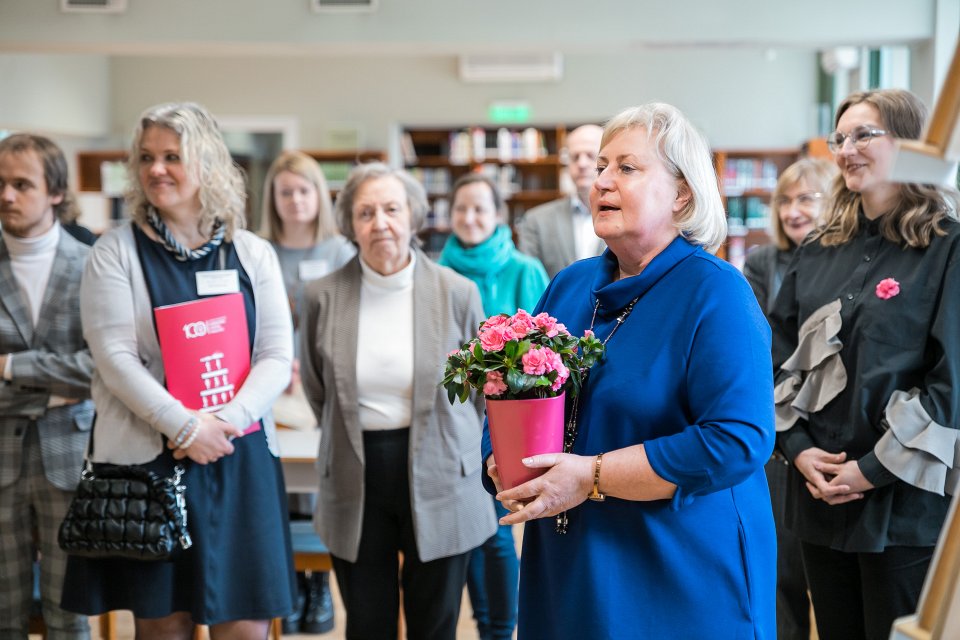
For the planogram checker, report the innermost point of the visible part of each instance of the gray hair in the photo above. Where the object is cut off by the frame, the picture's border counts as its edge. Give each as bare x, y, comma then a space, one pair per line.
203, 151
685, 153
362, 173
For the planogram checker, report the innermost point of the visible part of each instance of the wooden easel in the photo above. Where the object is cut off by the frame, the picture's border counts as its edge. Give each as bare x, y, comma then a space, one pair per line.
933, 160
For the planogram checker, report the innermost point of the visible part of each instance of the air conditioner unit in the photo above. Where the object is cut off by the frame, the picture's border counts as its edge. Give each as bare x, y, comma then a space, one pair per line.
533, 67
93, 6
343, 6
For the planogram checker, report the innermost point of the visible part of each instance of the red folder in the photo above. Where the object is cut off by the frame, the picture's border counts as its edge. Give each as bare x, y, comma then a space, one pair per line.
206, 350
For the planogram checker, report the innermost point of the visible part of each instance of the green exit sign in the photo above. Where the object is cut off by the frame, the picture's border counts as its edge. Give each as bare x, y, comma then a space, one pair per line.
509, 112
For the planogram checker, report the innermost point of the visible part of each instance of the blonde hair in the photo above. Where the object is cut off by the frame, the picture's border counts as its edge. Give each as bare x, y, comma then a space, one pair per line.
685, 153
271, 226
818, 175
203, 152
918, 215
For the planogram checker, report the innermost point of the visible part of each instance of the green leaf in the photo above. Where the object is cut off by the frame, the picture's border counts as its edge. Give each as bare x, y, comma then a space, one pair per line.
522, 348
451, 394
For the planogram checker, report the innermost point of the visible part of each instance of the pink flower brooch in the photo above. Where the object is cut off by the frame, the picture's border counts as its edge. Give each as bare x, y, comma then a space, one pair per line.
887, 288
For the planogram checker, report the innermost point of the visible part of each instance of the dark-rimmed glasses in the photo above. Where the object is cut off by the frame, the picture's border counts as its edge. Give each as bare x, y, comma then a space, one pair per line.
860, 137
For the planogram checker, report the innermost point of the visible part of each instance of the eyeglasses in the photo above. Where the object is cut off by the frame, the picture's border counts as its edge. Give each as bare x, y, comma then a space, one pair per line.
860, 137
805, 201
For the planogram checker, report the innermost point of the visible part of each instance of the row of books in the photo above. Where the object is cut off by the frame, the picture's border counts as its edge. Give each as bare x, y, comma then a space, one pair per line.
481, 145
751, 213
746, 174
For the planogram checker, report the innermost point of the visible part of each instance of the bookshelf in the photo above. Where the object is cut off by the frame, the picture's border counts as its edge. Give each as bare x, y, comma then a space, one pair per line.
89, 163
524, 162
336, 165
747, 179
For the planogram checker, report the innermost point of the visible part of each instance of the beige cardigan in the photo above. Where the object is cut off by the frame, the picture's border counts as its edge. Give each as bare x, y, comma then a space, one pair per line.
133, 406
452, 513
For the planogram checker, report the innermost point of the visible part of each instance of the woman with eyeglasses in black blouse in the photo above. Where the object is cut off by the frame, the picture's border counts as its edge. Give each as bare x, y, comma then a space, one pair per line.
868, 351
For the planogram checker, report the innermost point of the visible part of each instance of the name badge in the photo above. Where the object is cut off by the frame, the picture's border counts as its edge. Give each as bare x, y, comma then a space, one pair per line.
313, 269
214, 283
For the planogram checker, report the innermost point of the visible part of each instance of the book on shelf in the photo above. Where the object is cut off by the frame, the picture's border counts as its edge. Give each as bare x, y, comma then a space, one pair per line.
205, 347
407, 150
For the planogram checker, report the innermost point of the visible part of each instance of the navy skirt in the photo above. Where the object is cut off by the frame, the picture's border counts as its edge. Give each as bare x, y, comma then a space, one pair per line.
240, 565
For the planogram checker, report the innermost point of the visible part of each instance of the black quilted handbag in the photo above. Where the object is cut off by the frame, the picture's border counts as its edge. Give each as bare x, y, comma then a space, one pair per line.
126, 512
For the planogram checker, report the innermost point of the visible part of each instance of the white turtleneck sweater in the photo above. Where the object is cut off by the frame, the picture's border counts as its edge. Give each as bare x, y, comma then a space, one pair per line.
31, 260
385, 348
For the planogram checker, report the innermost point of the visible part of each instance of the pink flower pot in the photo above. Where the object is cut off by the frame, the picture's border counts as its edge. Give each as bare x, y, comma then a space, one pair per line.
521, 428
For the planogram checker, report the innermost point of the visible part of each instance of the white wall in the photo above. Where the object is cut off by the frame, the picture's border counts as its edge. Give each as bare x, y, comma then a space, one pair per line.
56, 94
739, 97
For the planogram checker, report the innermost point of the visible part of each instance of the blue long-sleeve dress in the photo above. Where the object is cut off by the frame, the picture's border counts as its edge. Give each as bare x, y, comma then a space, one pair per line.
689, 375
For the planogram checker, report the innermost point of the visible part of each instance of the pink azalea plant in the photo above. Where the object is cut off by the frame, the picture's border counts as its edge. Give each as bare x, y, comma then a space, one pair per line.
520, 357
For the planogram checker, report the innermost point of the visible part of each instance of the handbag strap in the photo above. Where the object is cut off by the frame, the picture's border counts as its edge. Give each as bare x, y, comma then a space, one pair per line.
178, 469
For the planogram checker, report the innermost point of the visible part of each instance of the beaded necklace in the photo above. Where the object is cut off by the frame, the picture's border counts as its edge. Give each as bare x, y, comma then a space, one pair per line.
570, 432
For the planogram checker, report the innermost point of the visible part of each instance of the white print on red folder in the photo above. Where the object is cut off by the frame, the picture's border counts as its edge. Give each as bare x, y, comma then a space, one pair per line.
204, 327
218, 390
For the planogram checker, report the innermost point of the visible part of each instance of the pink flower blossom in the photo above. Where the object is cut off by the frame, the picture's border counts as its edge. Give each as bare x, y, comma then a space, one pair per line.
493, 339
495, 321
541, 360
548, 325
588, 333
562, 374
887, 288
453, 353
554, 361
494, 385
522, 323
535, 362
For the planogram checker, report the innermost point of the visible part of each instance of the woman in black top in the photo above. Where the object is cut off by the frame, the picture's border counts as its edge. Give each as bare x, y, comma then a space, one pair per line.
798, 200
865, 335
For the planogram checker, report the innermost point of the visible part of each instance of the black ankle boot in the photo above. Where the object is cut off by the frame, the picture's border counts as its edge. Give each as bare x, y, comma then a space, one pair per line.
318, 617
291, 624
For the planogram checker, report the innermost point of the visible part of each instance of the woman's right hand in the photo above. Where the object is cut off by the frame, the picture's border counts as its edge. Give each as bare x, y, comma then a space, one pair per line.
212, 442
510, 505
812, 463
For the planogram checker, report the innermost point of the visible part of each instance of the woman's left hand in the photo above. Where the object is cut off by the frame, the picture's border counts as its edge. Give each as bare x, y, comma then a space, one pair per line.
565, 485
848, 474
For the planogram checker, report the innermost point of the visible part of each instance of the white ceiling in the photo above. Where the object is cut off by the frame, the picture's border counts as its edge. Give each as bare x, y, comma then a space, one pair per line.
447, 27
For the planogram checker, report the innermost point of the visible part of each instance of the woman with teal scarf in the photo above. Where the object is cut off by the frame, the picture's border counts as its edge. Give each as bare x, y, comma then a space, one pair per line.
481, 248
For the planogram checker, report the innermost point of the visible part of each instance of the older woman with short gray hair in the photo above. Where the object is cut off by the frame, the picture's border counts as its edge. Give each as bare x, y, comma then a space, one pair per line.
399, 465
655, 520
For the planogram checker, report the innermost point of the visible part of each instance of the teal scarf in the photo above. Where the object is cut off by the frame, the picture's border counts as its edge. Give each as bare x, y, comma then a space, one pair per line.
483, 261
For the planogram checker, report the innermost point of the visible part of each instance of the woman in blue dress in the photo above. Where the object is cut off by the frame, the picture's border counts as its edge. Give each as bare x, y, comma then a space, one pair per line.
186, 241
481, 248
673, 426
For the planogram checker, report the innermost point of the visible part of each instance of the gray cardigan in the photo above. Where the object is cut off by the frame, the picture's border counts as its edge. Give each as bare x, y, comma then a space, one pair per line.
133, 406
452, 513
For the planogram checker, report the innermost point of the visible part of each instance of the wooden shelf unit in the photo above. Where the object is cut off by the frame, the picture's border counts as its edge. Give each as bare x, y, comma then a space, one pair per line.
526, 175
747, 178
88, 168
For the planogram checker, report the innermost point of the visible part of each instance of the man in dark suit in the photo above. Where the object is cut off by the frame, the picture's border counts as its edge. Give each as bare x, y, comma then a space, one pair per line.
561, 232
45, 410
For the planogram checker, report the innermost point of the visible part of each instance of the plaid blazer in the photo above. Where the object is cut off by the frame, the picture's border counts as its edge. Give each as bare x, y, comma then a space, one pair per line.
49, 359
